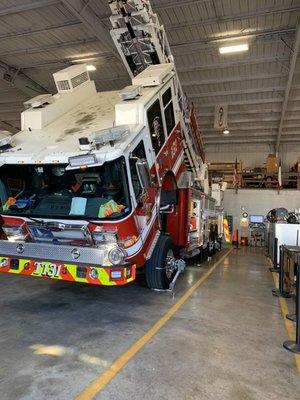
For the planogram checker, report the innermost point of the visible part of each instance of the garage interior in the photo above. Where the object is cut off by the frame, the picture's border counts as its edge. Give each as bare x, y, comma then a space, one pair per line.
198, 234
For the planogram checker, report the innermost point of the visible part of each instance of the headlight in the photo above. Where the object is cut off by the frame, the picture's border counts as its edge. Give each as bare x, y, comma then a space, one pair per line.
15, 233
116, 256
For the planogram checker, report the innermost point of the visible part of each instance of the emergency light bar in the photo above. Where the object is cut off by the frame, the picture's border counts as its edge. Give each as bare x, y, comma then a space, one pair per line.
110, 135
130, 92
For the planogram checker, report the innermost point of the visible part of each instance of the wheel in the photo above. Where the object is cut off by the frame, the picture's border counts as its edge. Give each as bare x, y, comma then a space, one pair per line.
209, 251
160, 268
205, 253
200, 256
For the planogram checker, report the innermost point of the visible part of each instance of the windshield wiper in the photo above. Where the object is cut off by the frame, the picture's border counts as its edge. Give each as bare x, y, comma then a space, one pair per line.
37, 221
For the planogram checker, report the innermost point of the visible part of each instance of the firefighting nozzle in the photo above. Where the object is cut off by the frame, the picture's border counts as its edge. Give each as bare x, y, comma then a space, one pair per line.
179, 266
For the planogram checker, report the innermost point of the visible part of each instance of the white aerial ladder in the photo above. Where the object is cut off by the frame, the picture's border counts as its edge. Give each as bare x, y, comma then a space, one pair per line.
141, 42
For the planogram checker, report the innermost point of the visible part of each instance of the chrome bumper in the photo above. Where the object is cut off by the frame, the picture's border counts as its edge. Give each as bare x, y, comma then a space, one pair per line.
51, 252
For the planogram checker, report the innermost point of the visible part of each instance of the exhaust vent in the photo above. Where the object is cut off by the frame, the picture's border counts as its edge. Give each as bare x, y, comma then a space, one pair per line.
79, 79
71, 78
63, 85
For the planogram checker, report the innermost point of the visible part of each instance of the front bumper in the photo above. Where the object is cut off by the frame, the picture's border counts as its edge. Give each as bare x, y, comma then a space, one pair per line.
67, 263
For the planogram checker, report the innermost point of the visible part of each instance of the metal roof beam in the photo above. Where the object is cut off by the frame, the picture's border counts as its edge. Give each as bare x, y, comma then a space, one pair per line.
44, 3
13, 109
219, 19
263, 125
248, 140
289, 85
17, 79
246, 102
266, 133
236, 92
104, 41
8, 116
231, 79
235, 17
27, 32
243, 129
27, 7
66, 62
207, 120
237, 141
171, 4
240, 136
53, 46
268, 111
219, 39
90, 19
243, 108
8, 127
195, 67
234, 63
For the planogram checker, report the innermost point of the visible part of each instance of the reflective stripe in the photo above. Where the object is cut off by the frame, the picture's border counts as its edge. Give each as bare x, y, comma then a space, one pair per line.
65, 272
131, 251
178, 163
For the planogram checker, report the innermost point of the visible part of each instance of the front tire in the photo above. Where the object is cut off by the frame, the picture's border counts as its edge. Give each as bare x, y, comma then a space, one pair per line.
159, 271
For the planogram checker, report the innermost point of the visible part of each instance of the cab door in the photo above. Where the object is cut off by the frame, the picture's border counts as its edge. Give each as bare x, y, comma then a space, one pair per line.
143, 199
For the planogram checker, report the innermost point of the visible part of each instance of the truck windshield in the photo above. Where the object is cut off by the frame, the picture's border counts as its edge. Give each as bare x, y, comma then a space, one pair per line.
51, 191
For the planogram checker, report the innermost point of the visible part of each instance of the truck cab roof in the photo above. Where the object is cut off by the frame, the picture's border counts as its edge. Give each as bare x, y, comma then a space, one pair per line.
53, 125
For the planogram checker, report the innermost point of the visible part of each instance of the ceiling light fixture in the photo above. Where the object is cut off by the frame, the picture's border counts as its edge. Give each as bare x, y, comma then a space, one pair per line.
226, 131
234, 49
91, 68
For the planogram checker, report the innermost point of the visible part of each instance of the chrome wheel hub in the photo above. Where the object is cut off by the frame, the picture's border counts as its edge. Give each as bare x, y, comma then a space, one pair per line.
170, 264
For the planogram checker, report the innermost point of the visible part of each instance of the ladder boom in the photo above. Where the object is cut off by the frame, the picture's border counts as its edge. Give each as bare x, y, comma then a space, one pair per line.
142, 41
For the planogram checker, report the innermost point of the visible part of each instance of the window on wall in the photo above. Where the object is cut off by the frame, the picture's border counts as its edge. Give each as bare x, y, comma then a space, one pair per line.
169, 111
156, 126
138, 153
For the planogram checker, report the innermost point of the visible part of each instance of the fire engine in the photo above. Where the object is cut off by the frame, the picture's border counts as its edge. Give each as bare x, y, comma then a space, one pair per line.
98, 186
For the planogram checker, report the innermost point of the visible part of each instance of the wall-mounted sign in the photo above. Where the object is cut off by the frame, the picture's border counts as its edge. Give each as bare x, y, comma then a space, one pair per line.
221, 117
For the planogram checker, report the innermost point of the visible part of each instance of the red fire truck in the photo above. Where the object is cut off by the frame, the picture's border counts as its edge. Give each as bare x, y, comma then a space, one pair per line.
99, 185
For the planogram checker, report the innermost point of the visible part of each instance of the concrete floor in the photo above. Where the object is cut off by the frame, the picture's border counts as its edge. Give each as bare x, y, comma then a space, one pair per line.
224, 343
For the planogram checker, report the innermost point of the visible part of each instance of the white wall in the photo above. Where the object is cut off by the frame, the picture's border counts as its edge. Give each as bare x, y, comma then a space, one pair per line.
252, 155
258, 202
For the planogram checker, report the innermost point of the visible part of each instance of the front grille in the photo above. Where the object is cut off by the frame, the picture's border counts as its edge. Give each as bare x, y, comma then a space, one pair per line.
50, 252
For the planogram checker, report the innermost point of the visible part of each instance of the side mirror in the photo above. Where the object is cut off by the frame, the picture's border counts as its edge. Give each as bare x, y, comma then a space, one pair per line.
143, 172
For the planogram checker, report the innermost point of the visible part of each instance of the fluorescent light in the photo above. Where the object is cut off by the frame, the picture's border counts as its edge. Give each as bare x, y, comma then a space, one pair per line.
226, 131
234, 49
91, 68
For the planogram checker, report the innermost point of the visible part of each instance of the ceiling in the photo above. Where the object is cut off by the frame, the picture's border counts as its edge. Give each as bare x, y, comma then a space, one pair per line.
261, 87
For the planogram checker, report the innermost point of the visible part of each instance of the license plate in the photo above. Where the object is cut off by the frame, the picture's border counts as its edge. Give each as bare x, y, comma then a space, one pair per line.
49, 270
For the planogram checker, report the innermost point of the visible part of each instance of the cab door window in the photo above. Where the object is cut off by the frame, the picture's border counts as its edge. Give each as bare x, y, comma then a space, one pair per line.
168, 111
138, 153
156, 126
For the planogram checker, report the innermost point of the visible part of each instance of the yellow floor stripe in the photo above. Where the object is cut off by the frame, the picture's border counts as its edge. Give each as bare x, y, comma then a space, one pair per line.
99, 383
289, 325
